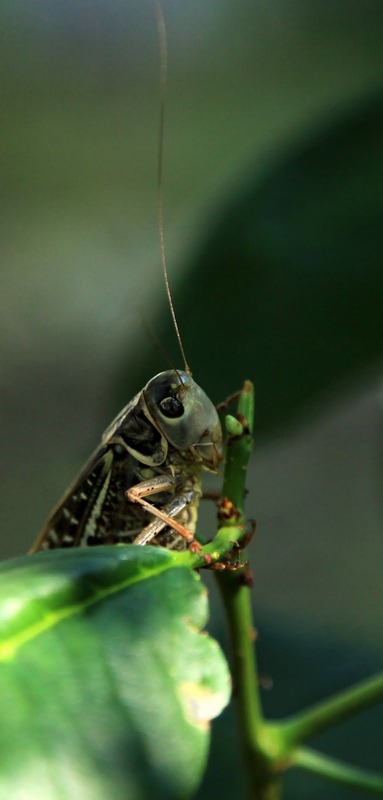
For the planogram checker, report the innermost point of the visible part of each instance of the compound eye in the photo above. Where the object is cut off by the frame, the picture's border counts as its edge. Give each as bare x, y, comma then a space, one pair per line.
171, 407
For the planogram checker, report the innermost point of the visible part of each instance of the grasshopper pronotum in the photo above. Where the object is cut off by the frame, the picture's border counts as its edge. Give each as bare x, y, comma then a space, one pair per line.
157, 447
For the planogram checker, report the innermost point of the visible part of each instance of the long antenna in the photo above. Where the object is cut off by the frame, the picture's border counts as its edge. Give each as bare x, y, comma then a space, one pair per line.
162, 37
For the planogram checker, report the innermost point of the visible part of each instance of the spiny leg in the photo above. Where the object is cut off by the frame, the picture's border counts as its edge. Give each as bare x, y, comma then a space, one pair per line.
155, 527
162, 483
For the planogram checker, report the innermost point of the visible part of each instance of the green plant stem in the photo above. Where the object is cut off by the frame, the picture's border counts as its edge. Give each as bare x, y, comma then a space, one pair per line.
262, 779
263, 782
220, 547
300, 727
238, 611
337, 771
238, 452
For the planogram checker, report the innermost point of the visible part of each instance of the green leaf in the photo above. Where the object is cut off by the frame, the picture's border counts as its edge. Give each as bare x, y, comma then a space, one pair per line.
107, 685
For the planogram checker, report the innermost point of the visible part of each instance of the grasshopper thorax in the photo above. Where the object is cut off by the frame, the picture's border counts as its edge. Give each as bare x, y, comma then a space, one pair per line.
185, 416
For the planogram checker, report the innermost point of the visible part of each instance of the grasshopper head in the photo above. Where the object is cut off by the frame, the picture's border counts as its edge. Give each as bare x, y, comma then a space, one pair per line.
185, 416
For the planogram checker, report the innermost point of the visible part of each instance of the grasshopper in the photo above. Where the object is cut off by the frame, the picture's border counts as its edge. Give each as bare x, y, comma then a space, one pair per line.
157, 447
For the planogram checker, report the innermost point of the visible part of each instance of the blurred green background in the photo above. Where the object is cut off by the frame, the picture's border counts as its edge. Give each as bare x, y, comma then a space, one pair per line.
273, 210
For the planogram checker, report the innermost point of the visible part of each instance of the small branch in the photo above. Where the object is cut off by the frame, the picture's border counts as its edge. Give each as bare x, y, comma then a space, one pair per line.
263, 781
220, 547
238, 610
338, 771
302, 726
236, 596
